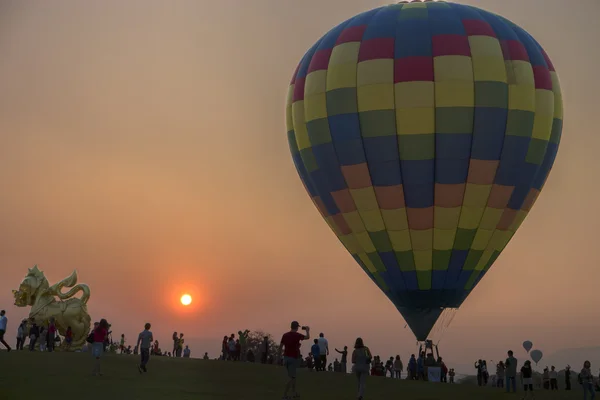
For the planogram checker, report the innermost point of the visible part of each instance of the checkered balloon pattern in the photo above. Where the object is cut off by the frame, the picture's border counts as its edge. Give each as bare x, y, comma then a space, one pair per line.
424, 133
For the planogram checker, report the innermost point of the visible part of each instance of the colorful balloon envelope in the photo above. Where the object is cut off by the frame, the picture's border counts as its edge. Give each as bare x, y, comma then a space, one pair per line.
424, 133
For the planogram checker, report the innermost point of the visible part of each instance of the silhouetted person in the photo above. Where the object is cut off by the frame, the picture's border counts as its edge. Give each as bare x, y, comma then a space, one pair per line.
568, 378
3, 326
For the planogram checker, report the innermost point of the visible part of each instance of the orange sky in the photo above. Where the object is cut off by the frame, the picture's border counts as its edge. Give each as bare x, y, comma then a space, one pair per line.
143, 143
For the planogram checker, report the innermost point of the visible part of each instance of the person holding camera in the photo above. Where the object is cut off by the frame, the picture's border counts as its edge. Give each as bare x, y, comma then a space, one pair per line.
290, 343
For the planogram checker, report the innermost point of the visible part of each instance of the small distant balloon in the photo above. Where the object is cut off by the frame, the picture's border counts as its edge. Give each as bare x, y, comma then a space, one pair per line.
536, 355
527, 345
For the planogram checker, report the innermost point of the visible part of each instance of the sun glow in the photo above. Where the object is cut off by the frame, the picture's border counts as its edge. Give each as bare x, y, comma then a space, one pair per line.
186, 299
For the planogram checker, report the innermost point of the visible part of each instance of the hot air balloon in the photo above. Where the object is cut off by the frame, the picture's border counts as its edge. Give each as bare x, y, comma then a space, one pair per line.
527, 345
536, 356
424, 133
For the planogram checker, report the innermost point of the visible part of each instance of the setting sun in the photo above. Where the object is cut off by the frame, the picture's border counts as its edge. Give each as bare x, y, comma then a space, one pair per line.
186, 299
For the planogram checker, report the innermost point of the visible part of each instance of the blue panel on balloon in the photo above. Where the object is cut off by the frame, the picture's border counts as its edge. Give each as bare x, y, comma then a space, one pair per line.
350, 152
413, 39
451, 171
381, 148
344, 127
488, 133
453, 145
418, 196
515, 149
385, 174
383, 24
418, 171
438, 279
441, 22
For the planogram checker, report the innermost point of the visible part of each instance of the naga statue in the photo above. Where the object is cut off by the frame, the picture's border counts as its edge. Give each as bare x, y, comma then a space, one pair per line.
67, 311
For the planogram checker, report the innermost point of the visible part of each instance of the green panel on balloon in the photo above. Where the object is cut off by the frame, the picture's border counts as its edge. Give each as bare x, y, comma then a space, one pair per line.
378, 123
376, 260
416, 147
520, 123
464, 238
424, 279
341, 101
318, 131
454, 120
310, 162
472, 259
537, 151
491, 94
441, 259
406, 260
381, 241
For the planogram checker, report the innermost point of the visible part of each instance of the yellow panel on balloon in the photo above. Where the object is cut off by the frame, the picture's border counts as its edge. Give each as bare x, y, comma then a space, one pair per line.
500, 239
421, 239
523, 73
470, 217
446, 217
364, 240
558, 106
454, 94
300, 125
453, 68
423, 260
290, 95
485, 46
443, 239
345, 53
289, 119
544, 102
315, 107
375, 71
376, 97
482, 239
542, 126
489, 69
367, 261
521, 97
476, 195
491, 217
354, 221
372, 220
365, 198
400, 240
395, 220
410, 121
341, 76
316, 82
415, 95
485, 258
350, 243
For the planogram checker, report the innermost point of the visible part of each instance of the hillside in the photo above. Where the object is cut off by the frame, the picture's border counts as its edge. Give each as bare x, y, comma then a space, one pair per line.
25, 375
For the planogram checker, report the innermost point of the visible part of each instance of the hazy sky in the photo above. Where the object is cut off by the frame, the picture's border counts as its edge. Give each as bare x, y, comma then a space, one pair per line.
143, 143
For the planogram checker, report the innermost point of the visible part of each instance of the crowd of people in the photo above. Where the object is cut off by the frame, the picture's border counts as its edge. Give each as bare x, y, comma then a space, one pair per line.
288, 354
507, 374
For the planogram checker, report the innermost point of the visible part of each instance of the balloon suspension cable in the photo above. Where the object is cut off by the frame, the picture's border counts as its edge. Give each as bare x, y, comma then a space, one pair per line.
441, 326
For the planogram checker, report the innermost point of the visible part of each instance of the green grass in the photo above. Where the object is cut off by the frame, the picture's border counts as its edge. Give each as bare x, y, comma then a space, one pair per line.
25, 375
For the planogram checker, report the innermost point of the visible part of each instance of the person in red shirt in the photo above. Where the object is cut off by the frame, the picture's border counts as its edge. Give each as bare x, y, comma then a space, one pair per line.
100, 333
290, 343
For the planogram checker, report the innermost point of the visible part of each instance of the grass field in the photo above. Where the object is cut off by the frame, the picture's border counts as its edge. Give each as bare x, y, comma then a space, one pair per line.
25, 375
